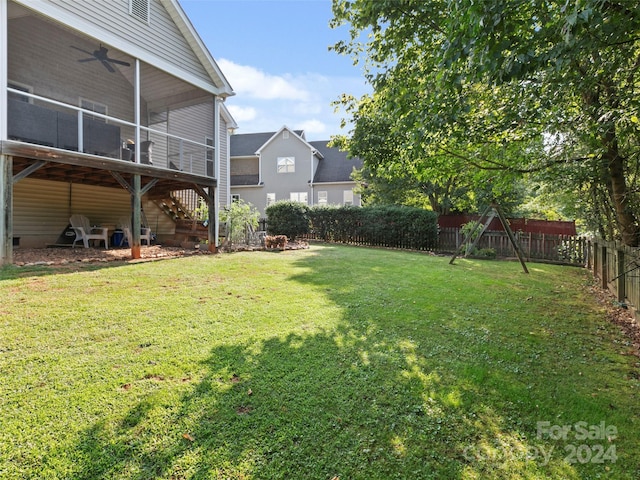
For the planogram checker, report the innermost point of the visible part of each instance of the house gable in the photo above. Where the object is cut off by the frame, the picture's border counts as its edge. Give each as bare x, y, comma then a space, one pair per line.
285, 133
168, 41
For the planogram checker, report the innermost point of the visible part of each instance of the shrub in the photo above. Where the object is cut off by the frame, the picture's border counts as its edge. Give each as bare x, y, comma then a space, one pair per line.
240, 218
486, 253
287, 218
392, 226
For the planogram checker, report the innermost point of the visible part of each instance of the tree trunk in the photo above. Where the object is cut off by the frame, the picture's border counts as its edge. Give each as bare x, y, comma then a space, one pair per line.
613, 162
627, 222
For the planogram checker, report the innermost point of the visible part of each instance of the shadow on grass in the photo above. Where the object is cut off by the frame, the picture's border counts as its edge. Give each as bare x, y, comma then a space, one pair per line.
13, 272
376, 397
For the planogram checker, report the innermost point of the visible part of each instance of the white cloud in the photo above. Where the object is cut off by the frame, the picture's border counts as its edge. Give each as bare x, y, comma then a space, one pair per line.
242, 114
250, 81
312, 127
308, 108
264, 102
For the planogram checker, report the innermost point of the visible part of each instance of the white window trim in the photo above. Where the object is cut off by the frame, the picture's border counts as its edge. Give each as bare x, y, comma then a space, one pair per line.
323, 197
93, 103
297, 196
286, 164
347, 197
210, 142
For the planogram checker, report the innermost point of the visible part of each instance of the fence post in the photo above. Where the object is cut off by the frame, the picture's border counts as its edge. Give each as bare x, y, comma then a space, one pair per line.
621, 275
603, 265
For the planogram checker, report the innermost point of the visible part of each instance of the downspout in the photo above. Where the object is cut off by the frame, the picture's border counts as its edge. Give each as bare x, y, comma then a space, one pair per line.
311, 181
213, 243
136, 201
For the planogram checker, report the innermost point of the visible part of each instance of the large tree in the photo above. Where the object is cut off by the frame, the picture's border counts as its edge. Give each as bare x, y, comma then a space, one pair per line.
518, 86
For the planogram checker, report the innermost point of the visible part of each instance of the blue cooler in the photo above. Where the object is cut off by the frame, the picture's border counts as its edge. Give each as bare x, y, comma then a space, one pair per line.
117, 239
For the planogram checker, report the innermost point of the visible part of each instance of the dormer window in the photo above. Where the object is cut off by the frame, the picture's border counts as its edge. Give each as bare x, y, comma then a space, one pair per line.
286, 164
141, 9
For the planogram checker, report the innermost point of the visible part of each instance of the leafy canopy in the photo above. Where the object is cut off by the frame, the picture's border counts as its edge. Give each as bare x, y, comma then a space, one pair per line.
513, 86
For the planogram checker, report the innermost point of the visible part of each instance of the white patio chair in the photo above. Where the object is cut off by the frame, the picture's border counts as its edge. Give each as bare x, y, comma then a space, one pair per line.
125, 225
85, 232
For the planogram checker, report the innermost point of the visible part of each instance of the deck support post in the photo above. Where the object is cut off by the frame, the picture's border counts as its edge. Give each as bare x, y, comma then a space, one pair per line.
136, 207
6, 207
213, 220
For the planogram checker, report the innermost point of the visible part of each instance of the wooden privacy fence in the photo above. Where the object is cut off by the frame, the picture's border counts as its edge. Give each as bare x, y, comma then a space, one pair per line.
540, 247
617, 268
564, 249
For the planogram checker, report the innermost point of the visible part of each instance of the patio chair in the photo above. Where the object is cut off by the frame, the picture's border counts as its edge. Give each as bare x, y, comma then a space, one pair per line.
125, 225
146, 149
85, 232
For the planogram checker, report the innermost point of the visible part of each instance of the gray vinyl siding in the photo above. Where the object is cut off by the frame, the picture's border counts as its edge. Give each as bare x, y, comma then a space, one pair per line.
56, 74
256, 196
193, 123
223, 181
160, 38
335, 193
282, 184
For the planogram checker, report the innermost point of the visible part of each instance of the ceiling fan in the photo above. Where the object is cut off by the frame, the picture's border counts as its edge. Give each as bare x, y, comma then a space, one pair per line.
102, 55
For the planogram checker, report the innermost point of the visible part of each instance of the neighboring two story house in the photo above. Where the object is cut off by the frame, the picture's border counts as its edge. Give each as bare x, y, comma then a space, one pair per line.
106, 109
282, 165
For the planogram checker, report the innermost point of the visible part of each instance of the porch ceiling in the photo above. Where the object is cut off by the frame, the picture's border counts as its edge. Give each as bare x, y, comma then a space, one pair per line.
92, 170
158, 89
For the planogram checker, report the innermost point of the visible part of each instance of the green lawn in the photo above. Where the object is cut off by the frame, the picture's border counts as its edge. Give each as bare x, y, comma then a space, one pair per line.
332, 362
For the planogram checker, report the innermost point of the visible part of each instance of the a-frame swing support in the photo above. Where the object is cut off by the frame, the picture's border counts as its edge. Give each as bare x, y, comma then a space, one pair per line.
490, 212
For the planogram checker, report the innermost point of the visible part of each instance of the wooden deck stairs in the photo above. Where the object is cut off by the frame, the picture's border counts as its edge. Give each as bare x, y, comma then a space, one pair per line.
173, 207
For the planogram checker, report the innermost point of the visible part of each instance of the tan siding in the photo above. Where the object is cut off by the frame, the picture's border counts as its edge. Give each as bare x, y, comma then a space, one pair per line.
160, 224
161, 37
42, 210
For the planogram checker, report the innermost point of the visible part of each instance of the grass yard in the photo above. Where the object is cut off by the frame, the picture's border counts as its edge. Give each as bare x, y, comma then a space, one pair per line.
328, 363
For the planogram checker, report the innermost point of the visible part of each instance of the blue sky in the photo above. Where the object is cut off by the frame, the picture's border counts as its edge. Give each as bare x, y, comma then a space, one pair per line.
275, 55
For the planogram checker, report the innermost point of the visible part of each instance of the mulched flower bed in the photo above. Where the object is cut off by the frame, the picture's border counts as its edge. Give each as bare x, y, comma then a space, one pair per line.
68, 255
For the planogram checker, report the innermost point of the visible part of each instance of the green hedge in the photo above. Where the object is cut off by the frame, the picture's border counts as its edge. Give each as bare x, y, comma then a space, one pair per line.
288, 218
388, 226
